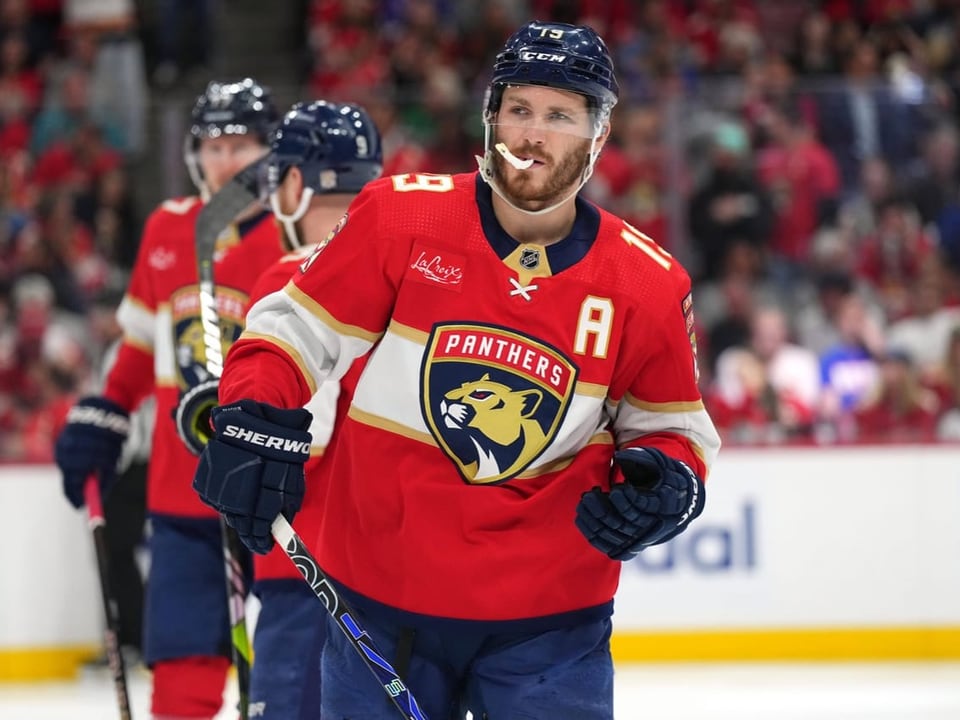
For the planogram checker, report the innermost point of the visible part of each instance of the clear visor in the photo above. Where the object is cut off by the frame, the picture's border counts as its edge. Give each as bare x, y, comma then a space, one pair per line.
524, 109
586, 126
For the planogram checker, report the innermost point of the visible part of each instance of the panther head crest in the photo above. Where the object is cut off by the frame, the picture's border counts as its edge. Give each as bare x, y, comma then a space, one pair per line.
499, 422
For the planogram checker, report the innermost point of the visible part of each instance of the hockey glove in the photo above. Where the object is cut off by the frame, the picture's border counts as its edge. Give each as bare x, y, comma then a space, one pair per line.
192, 415
660, 497
91, 442
252, 468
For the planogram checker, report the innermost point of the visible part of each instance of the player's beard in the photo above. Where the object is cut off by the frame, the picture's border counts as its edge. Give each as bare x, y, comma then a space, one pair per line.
529, 194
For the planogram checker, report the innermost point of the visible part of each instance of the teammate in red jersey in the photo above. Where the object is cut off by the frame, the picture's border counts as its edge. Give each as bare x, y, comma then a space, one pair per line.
186, 638
321, 156
528, 416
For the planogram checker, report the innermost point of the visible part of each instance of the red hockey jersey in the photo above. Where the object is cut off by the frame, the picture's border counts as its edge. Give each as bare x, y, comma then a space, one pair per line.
500, 376
162, 349
329, 403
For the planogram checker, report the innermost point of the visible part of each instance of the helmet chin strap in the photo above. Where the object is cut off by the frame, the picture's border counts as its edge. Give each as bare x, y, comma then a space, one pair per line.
193, 170
288, 221
485, 164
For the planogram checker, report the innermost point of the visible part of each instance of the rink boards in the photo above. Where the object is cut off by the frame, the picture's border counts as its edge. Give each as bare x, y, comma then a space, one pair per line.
812, 554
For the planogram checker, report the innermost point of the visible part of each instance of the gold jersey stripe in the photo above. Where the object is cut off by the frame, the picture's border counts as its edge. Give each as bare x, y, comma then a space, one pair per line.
390, 426
317, 310
289, 351
689, 406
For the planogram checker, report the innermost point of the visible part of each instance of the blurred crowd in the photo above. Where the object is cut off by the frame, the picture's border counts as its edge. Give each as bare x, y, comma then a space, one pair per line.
801, 158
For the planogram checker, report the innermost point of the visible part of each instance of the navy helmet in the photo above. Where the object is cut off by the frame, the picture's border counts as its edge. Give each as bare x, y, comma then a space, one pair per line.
241, 107
335, 146
556, 55
233, 108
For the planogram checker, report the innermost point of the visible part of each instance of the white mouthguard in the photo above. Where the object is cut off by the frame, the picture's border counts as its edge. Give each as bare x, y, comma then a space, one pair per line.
511, 158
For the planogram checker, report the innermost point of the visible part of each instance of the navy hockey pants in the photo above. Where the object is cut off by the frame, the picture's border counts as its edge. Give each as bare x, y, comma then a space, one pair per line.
186, 607
291, 628
564, 674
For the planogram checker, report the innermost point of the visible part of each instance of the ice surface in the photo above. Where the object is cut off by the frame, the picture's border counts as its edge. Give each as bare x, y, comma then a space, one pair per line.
882, 691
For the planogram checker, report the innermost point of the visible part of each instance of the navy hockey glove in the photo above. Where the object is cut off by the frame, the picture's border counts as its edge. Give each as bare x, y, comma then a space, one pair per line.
660, 497
252, 468
91, 442
192, 415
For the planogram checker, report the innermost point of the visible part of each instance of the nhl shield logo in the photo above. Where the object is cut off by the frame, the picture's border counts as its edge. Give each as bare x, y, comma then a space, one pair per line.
492, 398
529, 258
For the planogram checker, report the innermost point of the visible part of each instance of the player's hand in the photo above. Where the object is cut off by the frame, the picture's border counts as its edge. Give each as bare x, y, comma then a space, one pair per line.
660, 498
252, 468
91, 441
192, 415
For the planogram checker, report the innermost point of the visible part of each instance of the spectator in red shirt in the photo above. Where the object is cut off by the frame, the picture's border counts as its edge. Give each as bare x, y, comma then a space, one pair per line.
765, 391
893, 258
348, 55
804, 182
901, 409
76, 163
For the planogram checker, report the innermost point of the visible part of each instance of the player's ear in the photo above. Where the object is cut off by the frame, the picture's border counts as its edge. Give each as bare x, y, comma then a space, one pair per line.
293, 186
603, 135
295, 178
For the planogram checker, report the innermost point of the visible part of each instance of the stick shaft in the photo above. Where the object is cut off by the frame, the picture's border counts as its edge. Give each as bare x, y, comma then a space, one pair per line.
111, 633
216, 215
346, 620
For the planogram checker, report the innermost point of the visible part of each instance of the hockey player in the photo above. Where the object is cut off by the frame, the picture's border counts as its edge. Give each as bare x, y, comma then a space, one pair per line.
322, 155
186, 637
528, 416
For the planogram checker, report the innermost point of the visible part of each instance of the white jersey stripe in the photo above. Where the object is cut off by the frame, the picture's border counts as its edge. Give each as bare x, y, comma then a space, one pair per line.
311, 306
322, 351
695, 425
137, 321
164, 352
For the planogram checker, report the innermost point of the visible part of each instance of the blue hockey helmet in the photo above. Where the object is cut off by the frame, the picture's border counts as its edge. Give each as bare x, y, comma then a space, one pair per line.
241, 107
233, 108
336, 147
557, 55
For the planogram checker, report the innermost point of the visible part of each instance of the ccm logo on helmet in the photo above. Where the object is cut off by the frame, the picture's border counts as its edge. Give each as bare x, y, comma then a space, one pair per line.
267, 441
549, 57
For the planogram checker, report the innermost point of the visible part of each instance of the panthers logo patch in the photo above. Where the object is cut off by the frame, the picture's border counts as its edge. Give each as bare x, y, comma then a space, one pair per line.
493, 399
188, 341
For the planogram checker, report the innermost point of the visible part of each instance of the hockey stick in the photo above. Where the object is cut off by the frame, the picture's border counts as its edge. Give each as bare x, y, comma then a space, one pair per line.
236, 606
111, 633
318, 581
217, 214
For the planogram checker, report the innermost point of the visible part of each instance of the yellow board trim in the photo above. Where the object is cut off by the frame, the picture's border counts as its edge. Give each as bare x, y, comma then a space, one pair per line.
814, 644
772, 645
35, 664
